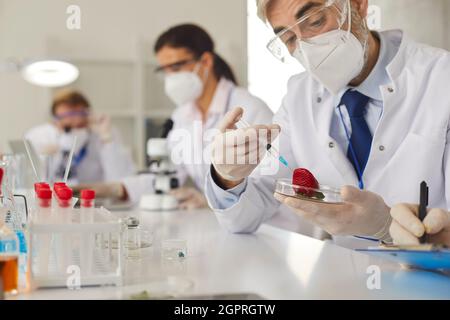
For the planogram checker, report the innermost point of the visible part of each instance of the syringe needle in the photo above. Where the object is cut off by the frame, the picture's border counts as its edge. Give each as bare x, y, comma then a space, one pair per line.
270, 149
277, 156
245, 123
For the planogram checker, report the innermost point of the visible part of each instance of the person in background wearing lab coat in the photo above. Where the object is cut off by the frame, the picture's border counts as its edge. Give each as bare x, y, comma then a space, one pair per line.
407, 229
204, 88
370, 116
99, 154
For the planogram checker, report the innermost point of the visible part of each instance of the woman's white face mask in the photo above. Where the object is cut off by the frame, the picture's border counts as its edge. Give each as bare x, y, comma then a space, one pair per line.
184, 87
333, 58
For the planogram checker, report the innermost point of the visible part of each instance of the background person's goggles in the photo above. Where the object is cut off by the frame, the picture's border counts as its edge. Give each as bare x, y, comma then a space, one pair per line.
72, 114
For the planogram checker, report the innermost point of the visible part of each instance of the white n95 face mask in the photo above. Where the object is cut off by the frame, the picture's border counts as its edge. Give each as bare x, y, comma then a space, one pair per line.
333, 58
183, 87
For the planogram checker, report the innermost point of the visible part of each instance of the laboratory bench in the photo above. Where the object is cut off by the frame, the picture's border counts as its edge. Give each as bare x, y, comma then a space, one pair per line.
271, 263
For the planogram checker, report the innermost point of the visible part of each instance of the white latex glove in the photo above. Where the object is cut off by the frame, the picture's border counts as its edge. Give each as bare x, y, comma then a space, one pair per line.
406, 228
105, 190
237, 152
362, 213
189, 198
101, 125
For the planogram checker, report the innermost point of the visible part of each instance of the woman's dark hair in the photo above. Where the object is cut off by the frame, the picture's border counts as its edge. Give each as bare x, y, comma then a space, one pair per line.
198, 41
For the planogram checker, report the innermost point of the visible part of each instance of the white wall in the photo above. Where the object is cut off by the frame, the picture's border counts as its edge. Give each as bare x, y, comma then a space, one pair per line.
110, 30
447, 23
426, 21
267, 76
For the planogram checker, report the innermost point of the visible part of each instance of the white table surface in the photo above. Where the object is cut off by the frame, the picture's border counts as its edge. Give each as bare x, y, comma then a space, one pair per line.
272, 263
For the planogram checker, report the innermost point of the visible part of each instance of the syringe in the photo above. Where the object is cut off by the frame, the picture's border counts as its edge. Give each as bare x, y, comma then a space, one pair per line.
271, 150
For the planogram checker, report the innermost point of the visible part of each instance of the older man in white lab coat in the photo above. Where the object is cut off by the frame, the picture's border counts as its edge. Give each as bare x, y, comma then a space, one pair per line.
372, 112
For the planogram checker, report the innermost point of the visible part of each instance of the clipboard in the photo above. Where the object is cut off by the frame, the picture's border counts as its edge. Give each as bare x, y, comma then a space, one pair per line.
429, 257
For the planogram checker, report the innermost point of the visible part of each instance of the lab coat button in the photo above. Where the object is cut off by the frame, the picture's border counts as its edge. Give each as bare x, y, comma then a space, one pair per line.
319, 100
390, 89
382, 148
331, 145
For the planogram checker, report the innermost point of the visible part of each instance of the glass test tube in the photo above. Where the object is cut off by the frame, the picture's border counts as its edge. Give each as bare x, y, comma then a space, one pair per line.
87, 241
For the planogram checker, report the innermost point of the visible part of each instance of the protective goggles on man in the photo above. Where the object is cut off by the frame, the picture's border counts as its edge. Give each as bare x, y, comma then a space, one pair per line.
314, 19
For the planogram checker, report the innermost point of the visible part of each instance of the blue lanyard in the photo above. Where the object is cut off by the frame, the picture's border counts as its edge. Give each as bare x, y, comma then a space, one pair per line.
352, 152
80, 156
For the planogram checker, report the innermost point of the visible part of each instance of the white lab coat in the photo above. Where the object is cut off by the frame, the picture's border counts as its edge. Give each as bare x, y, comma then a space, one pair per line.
189, 139
103, 162
410, 144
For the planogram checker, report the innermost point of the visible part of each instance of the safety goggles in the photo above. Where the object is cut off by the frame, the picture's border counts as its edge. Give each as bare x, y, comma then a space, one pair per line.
72, 114
174, 67
316, 19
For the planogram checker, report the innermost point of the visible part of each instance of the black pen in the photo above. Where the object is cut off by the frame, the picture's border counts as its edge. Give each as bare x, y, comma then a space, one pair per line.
423, 206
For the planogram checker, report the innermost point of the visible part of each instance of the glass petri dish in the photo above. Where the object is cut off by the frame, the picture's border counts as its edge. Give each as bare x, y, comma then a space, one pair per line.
324, 194
173, 249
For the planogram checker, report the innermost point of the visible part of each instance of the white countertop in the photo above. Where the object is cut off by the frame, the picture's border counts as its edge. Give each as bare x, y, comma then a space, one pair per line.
272, 263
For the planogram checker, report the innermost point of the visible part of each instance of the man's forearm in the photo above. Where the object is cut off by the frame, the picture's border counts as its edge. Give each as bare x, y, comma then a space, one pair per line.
222, 182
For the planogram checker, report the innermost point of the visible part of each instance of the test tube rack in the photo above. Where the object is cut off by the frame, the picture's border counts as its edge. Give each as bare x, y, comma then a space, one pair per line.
61, 247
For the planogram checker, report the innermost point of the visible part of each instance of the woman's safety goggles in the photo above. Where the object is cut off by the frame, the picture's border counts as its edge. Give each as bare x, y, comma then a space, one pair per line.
316, 19
174, 67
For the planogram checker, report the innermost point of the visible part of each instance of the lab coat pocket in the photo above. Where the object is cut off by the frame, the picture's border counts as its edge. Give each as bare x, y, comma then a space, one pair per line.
418, 158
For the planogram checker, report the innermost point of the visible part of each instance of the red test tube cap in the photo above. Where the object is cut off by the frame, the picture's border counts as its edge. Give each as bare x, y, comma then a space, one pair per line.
1, 179
41, 185
44, 197
59, 185
45, 194
88, 194
64, 196
64, 193
87, 198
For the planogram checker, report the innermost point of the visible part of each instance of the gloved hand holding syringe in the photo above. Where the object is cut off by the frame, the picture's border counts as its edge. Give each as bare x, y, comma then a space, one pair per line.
271, 150
239, 148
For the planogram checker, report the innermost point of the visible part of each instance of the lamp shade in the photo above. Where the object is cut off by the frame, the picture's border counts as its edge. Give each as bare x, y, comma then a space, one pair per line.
50, 73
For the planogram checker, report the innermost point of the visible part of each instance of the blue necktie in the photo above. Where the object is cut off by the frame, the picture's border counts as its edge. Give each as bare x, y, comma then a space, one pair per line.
361, 138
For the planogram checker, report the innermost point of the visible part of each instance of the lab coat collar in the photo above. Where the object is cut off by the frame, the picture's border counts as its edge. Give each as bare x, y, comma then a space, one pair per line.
380, 75
221, 98
398, 63
371, 87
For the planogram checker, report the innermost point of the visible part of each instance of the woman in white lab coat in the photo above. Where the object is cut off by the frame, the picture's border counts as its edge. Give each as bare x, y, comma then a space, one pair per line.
204, 89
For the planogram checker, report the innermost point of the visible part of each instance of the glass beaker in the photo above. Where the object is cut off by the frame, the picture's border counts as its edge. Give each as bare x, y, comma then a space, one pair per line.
136, 238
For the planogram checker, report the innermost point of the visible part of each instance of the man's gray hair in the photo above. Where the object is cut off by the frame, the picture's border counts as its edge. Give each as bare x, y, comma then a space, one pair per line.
262, 9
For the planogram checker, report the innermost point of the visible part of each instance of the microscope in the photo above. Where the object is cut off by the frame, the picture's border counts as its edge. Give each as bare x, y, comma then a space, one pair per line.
163, 172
